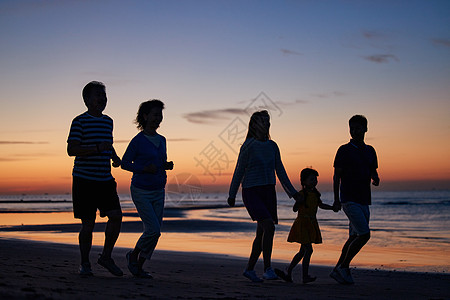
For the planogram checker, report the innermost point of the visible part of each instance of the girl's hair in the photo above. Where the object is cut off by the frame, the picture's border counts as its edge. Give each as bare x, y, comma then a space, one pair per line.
305, 173
144, 109
256, 125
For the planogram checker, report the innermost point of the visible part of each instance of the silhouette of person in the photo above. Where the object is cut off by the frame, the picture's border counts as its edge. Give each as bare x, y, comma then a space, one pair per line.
305, 229
146, 157
259, 159
91, 142
355, 165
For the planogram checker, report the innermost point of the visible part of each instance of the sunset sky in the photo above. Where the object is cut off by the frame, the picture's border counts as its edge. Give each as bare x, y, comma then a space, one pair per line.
312, 64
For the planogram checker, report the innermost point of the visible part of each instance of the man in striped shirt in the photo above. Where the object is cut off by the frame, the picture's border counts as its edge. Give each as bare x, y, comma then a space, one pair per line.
91, 142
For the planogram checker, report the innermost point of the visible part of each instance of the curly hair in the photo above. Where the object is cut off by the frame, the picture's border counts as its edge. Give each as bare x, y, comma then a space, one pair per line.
144, 109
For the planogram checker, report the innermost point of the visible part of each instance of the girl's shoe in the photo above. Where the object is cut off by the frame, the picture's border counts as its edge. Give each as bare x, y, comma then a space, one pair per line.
109, 264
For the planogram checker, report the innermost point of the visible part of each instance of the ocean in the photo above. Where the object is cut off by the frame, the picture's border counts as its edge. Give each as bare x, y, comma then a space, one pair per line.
414, 225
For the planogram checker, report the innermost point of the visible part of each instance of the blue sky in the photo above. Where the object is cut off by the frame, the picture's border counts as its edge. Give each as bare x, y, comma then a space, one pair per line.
319, 61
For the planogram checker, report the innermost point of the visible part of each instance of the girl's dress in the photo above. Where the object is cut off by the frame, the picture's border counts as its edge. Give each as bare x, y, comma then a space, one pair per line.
305, 229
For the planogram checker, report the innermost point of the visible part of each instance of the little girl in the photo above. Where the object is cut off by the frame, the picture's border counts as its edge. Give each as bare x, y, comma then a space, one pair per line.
305, 229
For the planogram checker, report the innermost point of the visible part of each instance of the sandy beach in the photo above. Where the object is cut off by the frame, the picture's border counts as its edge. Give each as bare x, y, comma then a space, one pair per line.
39, 270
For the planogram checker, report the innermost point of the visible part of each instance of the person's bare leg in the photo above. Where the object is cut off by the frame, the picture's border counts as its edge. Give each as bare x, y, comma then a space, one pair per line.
85, 239
295, 260
305, 264
112, 231
354, 247
267, 242
345, 249
256, 248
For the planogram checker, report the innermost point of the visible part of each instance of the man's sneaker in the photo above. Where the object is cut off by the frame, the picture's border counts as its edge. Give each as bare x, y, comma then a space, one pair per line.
85, 269
251, 274
132, 266
109, 264
336, 276
345, 274
270, 274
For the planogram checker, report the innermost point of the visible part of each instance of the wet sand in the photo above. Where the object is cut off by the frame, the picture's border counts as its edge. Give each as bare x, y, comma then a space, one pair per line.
39, 270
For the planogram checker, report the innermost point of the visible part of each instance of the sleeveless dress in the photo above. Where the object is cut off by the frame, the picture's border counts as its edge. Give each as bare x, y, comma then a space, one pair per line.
305, 229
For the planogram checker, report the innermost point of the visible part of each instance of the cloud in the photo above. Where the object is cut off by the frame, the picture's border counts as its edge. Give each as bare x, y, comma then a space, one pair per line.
441, 42
285, 103
9, 159
20, 143
289, 52
372, 34
25, 157
211, 116
329, 94
181, 140
381, 58
169, 140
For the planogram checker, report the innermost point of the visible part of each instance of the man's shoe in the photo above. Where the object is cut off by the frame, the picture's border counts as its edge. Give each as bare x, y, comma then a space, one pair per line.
132, 266
345, 274
109, 264
336, 276
86, 270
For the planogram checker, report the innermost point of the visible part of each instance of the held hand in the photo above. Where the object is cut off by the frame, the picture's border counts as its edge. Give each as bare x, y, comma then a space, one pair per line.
116, 162
168, 165
151, 168
231, 201
336, 206
104, 146
376, 181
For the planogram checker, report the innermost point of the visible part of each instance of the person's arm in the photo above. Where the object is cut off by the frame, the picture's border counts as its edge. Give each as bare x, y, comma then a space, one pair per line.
238, 174
325, 206
375, 178
115, 159
336, 185
74, 148
129, 159
283, 177
168, 165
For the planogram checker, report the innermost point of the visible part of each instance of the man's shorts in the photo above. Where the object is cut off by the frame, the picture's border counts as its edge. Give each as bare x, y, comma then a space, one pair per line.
90, 195
358, 215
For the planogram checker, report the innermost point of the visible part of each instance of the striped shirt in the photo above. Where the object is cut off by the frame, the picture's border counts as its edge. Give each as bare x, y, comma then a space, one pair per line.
90, 131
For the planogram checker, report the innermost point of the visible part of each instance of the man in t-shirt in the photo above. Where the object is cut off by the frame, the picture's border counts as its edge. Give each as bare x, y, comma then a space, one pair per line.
91, 142
355, 165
